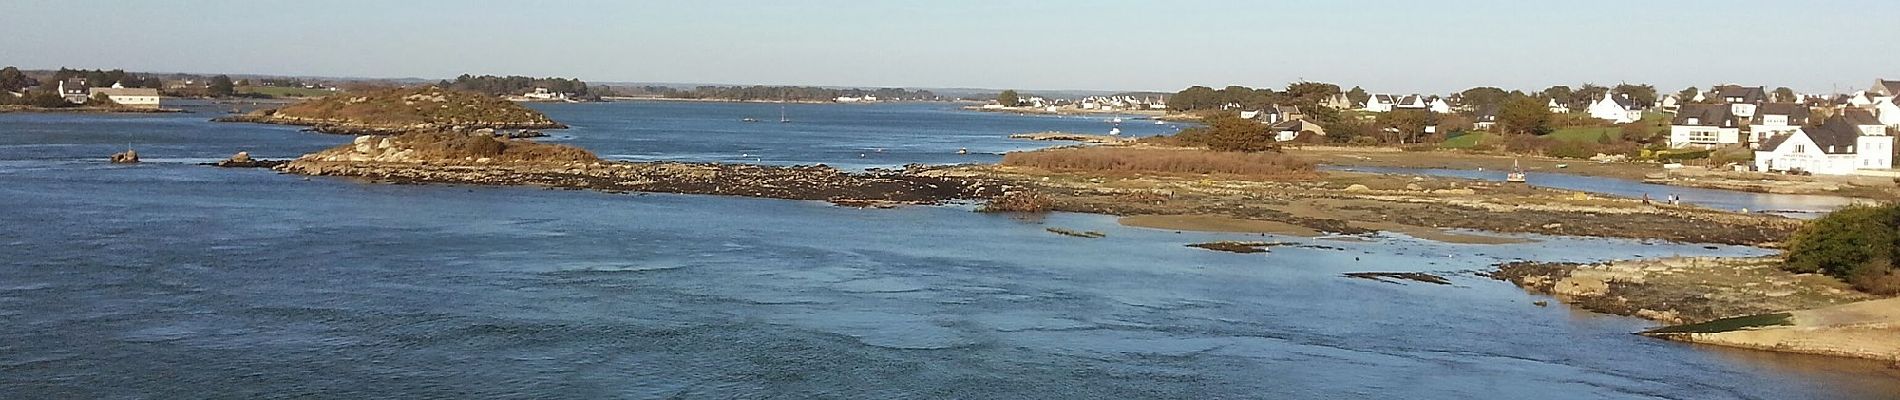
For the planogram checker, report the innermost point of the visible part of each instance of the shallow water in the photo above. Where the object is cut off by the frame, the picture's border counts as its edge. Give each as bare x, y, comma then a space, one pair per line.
169, 280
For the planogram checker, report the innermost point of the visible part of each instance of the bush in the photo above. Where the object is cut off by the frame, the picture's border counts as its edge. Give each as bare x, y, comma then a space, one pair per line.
458, 146
1230, 133
1857, 244
1147, 160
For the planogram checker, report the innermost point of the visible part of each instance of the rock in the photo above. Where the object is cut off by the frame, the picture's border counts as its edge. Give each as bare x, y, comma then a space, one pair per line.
1358, 188
129, 156
242, 156
1413, 187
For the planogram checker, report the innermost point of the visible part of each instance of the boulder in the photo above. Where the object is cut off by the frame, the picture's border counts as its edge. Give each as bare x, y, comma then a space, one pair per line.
129, 156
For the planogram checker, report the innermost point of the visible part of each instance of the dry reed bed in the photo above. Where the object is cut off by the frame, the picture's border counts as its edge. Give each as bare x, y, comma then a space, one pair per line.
1272, 165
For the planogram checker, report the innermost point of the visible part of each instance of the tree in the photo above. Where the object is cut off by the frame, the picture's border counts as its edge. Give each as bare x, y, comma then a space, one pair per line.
1229, 132
12, 80
1524, 115
1483, 96
47, 98
1688, 94
1008, 98
1589, 93
1409, 124
1644, 95
1784, 95
1857, 243
1358, 95
1195, 98
1562, 94
221, 86
1308, 93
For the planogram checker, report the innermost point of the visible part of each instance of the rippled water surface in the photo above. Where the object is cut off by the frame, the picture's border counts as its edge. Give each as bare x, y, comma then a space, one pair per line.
169, 280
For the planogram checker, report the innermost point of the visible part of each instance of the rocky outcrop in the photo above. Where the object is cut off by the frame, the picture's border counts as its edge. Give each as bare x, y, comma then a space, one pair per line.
1680, 290
483, 160
399, 111
243, 160
128, 156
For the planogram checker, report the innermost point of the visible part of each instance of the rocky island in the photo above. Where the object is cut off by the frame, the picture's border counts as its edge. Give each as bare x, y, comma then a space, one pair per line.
459, 158
405, 110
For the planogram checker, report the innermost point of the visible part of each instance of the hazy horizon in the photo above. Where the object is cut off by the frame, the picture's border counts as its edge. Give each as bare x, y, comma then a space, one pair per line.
1062, 45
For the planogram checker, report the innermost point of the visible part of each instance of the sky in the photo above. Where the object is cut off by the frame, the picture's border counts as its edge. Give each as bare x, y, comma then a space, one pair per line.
1436, 46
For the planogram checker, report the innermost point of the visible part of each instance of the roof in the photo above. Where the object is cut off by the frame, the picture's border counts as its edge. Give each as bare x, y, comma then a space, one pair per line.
1747, 94
1487, 113
1792, 110
1623, 100
1705, 115
1837, 136
125, 91
74, 85
1889, 87
1855, 116
1293, 109
1298, 125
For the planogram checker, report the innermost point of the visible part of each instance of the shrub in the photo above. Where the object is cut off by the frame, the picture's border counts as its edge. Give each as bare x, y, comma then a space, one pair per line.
1857, 244
1230, 133
1148, 160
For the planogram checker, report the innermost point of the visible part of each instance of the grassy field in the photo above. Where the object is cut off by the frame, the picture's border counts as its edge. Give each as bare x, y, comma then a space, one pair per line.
284, 91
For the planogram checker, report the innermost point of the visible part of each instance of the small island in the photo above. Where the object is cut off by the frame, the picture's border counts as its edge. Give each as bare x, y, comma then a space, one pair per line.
404, 110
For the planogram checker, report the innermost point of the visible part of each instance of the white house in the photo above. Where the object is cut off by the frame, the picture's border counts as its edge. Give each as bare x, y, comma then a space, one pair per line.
1438, 105
1337, 102
1888, 113
1487, 118
542, 93
1617, 109
1292, 129
1414, 102
1775, 119
1557, 108
75, 90
1834, 148
1380, 103
1669, 103
130, 97
1704, 125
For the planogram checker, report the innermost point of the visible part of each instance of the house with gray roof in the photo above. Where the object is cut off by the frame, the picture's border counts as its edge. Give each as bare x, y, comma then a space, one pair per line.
1836, 147
1705, 126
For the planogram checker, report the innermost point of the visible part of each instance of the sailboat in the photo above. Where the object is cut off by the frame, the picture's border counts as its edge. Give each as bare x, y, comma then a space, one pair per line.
781, 109
1517, 173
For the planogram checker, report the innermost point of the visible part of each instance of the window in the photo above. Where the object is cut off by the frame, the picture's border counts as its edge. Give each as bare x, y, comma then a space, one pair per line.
1800, 148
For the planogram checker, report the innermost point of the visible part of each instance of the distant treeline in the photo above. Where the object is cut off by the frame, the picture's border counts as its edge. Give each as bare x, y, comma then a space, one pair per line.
13, 79
768, 93
517, 85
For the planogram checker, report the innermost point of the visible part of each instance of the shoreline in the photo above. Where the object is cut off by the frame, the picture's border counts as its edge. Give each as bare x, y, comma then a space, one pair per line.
89, 110
1741, 302
1653, 173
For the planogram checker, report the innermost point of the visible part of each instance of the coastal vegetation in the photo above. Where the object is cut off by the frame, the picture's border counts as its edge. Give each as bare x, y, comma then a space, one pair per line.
1858, 244
516, 85
1227, 133
1025, 201
426, 108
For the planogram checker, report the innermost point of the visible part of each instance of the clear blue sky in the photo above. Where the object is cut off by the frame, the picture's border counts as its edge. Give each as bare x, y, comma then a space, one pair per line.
1385, 46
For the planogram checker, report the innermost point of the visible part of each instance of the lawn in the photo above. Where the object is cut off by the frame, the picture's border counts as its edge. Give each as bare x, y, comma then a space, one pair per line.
285, 91
1584, 134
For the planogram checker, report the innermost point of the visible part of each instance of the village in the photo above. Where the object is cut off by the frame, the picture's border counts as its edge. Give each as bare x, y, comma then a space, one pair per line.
1773, 131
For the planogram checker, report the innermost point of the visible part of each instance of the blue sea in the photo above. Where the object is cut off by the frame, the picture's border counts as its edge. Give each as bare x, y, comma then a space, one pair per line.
167, 280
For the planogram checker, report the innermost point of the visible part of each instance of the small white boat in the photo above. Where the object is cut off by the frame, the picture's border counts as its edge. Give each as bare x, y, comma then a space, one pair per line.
1114, 131
1160, 122
1516, 175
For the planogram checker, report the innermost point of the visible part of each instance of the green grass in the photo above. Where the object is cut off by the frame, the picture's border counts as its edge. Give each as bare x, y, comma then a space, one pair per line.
1587, 134
1465, 141
1583, 134
284, 91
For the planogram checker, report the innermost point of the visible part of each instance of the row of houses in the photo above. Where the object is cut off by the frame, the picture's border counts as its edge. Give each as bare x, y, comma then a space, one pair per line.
1837, 136
77, 91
